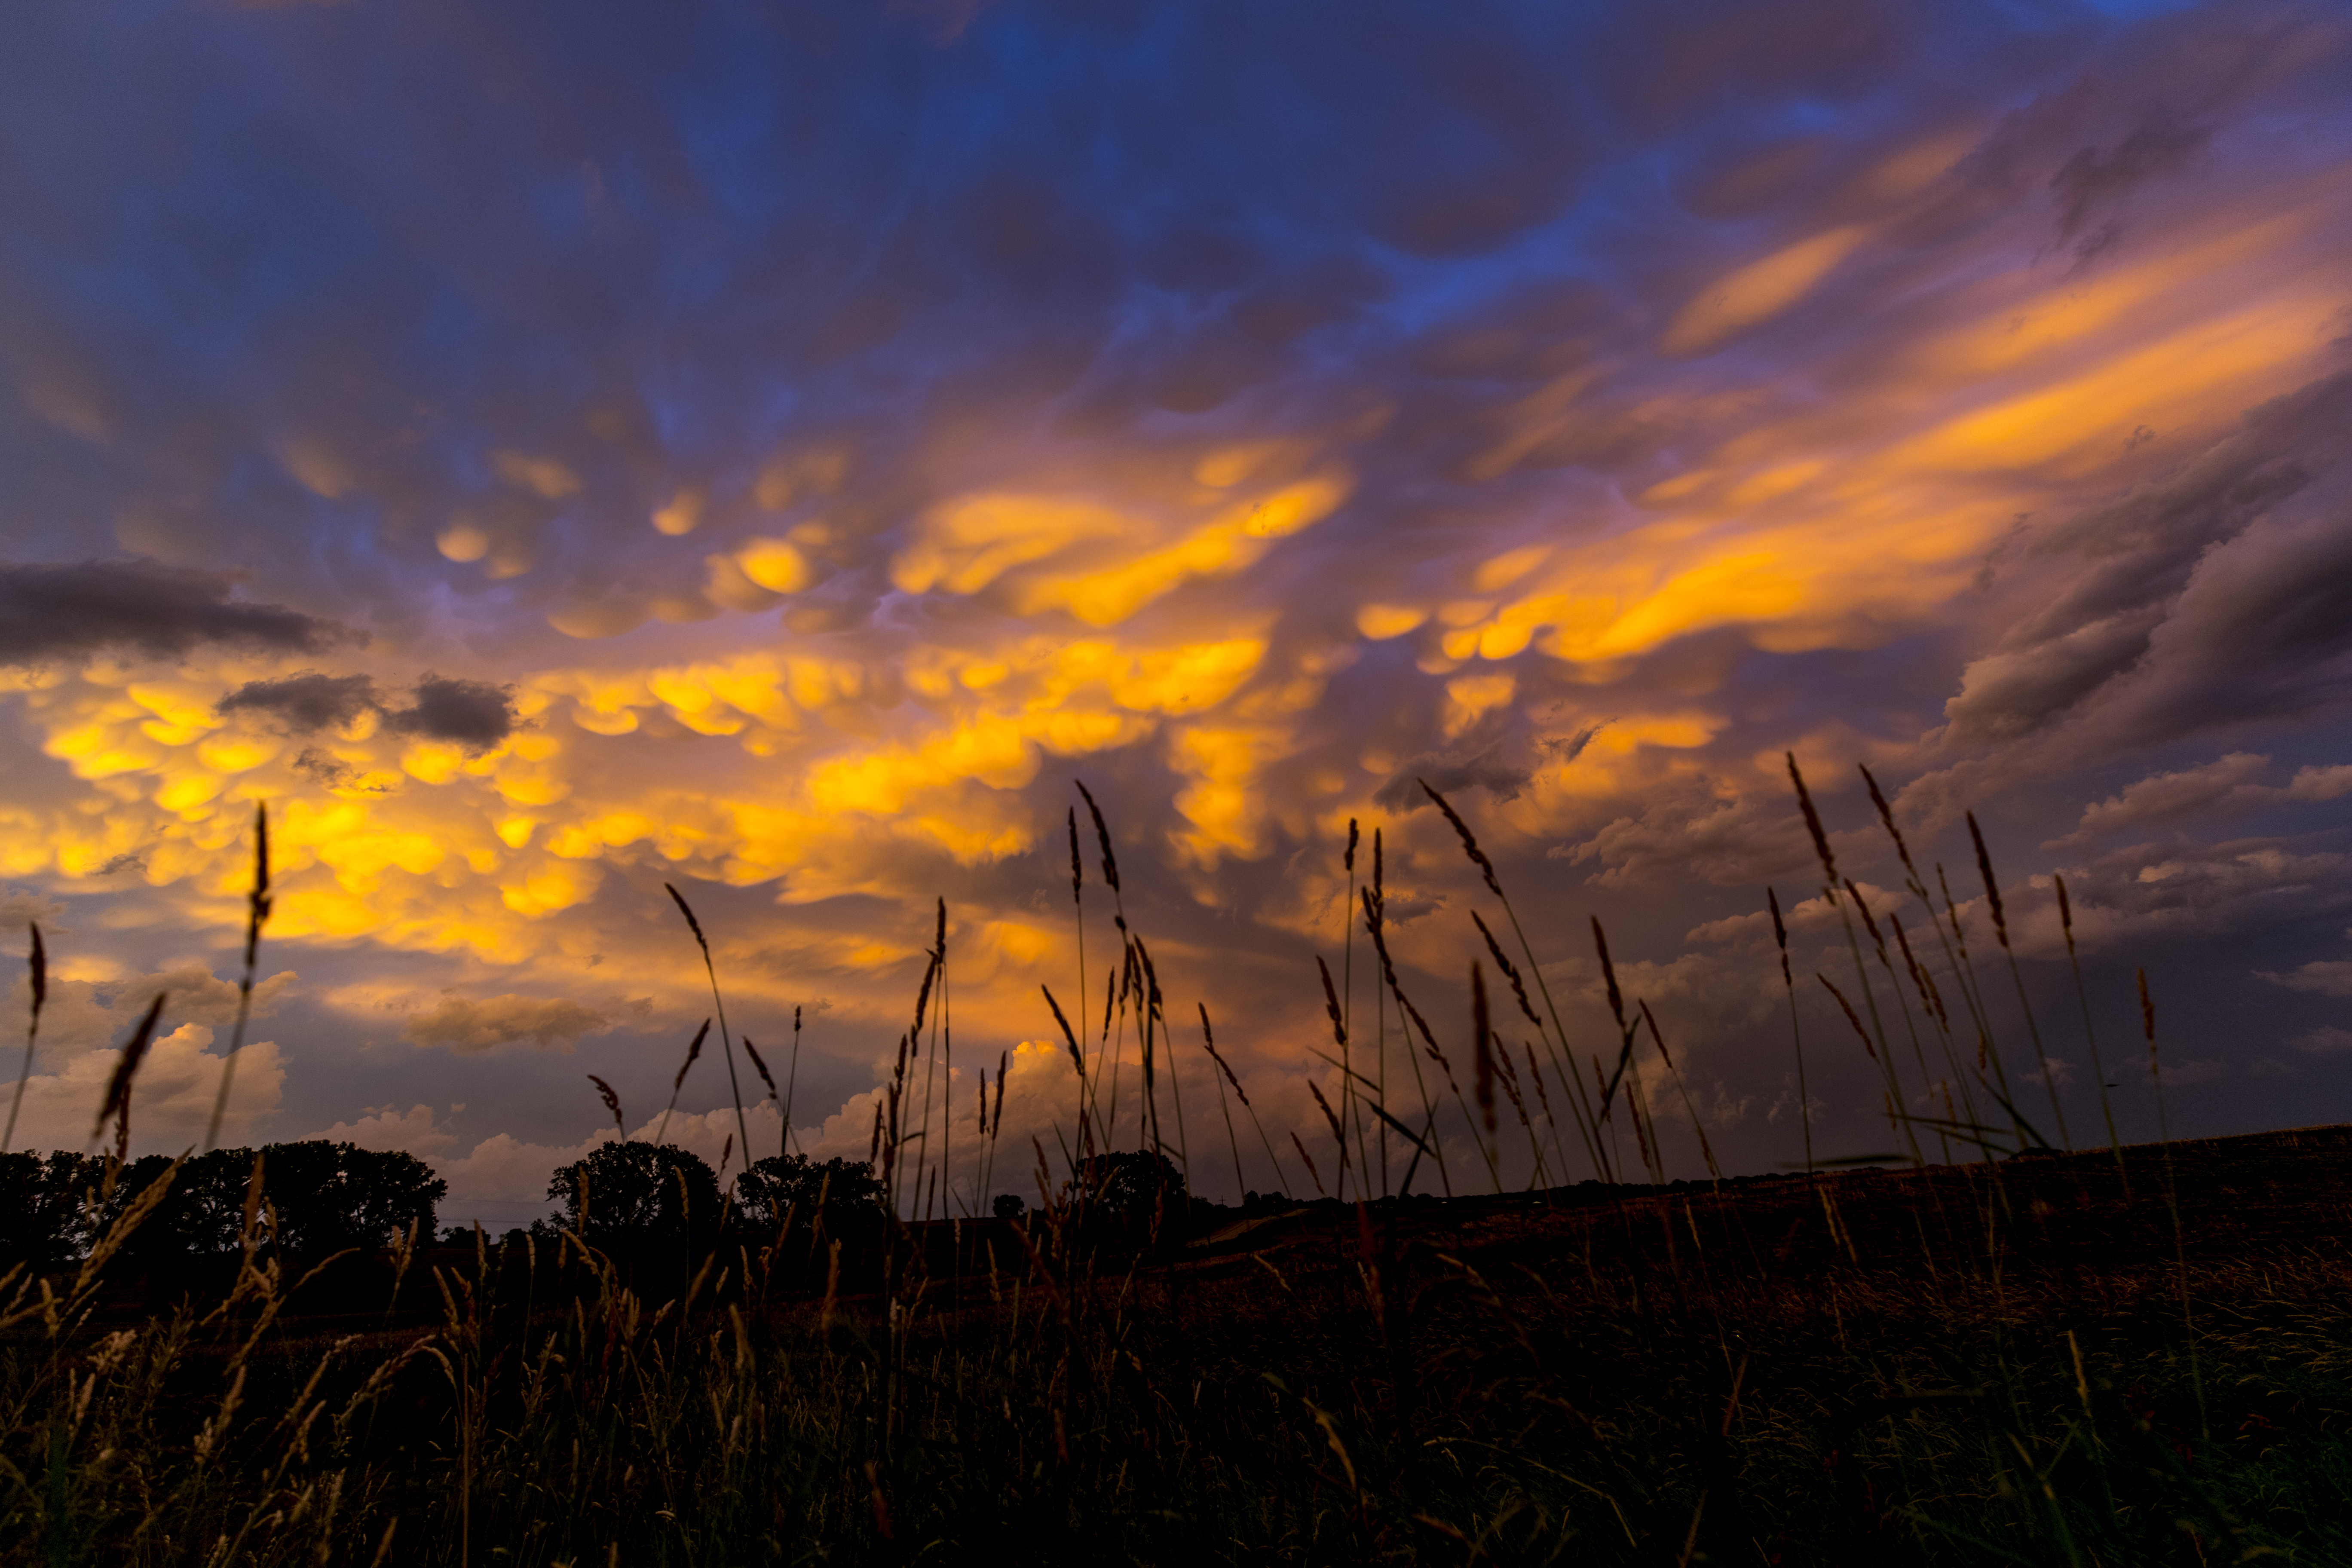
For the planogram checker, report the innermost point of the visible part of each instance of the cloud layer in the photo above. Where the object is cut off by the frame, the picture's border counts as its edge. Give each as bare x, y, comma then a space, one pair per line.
52, 611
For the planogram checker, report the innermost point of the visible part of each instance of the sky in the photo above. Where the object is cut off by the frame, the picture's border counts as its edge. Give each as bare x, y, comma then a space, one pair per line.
548, 452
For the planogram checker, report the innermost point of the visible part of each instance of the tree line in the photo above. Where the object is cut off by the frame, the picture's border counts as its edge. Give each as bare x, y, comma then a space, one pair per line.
313, 1199
310, 1199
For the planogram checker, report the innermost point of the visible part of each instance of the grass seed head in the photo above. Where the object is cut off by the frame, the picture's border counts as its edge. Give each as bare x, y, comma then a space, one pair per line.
611, 1103
760, 1067
117, 1103
1850, 1017
1102, 839
257, 901
1078, 1056
1469, 839
1331, 1002
1992, 887
1609, 972
1813, 825
1511, 970
691, 923
693, 1050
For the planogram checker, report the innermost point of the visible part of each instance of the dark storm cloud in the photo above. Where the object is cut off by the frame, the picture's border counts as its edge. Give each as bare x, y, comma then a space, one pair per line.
2213, 595
308, 702
1686, 831
473, 713
68, 610
1487, 771
470, 712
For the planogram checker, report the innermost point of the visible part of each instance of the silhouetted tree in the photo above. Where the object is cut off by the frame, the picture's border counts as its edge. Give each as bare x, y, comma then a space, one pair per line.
631, 1194
46, 1222
320, 1198
330, 1197
1131, 1191
201, 1215
1009, 1206
845, 1191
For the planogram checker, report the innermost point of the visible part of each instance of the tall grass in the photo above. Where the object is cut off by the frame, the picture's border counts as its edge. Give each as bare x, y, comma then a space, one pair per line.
1789, 1369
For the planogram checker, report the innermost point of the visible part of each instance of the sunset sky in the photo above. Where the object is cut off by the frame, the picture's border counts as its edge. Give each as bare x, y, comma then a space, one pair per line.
545, 451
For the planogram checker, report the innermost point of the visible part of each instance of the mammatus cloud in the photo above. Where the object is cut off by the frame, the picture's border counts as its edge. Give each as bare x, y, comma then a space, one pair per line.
50, 612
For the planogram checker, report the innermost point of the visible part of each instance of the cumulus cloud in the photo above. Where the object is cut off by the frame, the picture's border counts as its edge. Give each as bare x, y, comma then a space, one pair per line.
2232, 886
387, 1127
18, 908
56, 611
2324, 977
467, 1024
2326, 1041
90, 1015
2224, 784
172, 1099
2162, 797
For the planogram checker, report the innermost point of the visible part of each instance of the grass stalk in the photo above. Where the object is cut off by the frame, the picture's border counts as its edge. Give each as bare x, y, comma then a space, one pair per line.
37, 962
2090, 1034
1565, 1058
693, 1050
791, 1083
1078, 927
1796, 1032
2172, 1203
718, 1004
2017, 976
1884, 1056
257, 905
1381, 1020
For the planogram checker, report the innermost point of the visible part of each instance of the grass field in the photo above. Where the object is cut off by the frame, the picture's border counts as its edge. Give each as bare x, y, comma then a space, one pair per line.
2121, 1356
1964, 1365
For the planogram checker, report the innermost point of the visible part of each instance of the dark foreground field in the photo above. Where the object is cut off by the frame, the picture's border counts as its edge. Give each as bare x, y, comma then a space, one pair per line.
2025, 1361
